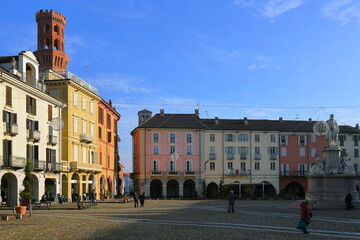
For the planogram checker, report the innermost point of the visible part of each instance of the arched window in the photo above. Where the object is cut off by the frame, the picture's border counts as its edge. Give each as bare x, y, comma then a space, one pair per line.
56, 44
47, 28
56, 29
47, 43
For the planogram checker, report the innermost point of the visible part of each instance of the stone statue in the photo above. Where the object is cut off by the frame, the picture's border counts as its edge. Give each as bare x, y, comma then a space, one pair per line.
332, 133
317, 167
347, 166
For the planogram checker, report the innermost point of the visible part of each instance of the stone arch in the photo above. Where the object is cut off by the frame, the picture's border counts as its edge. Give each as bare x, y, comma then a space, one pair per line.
294, 190
65, 188
75, 186
30, 74
56, 44
9, 189
47, 43
189, 188
109, 186
269, 190
172, 189
156, 187
212, 190
35, 188
56, 29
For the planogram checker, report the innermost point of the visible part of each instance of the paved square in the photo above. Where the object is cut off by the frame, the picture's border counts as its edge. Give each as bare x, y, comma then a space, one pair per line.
176, 219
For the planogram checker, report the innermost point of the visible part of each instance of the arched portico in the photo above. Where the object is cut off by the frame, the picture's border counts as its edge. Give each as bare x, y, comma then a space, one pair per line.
294, 191
172, 189
9, 189
189, 188
156, 188
35, 188
212, 190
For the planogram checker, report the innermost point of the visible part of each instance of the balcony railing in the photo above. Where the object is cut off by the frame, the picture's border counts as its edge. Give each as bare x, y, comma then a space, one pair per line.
54, 167
173, 173
293, 173
87, 138
257, 156
273, 156
243, 156
85, 167
11, 129
52, 140
156, 173
212, 156
237, 172
33, 135
65, 166
190, 173
230, 156
12, 162
38, 165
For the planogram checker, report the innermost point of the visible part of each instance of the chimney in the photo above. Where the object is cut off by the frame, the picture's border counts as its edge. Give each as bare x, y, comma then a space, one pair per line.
245, 121
162, 112
280, 119
357, 126
216, 121
197, 112
310, 119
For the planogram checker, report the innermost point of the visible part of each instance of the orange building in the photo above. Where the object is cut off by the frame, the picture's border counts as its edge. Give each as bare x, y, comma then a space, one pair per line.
108, 118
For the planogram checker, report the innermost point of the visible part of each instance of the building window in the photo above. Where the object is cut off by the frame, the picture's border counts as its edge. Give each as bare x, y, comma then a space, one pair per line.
76, 153
302, 140
257, 150
356, 140
283, 140
155, 149
84, 154
188, 149
212, 137
356, 153
84, 104
172, 166
50, 112
109, 137
188, 165
32, 125
172, 149
243, 152
212, 166
230, 165
302, 152
257, 137
272, 166
155, 165
75, 100
342, 139
283, 152
172, 138
91, 130
313, 152
30, 105
257, 166
100, 115
272, 138
8, 97
108, 121
100, 133
302, 169
284, 170
188, 138
230, 138
91, 108
76, 125
155, 138
243, 138
230, 151
313, 138
243, 166
83, 127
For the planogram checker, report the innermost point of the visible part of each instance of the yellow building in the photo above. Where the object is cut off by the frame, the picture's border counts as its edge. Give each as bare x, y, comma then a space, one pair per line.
79, 138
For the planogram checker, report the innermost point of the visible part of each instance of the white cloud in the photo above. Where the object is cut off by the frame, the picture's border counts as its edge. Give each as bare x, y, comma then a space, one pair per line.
269, 8
343, 11
120, 82
262, 62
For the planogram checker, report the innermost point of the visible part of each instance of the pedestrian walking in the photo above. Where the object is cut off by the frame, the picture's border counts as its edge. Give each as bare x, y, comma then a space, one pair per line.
142, 199
136, 200
305, 216
348, 201
231, 198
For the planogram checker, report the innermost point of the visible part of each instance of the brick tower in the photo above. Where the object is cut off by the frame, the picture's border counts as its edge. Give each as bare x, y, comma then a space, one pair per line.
51, 52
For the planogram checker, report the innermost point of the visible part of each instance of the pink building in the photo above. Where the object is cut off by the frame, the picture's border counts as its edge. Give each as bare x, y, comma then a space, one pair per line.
166, 155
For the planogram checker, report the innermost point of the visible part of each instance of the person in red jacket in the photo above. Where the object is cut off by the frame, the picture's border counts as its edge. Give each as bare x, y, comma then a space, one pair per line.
305, 217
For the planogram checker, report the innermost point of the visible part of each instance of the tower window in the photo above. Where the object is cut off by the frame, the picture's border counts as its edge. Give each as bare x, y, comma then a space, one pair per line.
56, 29
56, 44
47, 28
47, 43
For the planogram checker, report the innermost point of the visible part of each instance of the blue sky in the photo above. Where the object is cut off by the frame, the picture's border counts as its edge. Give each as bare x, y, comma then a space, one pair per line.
266, 59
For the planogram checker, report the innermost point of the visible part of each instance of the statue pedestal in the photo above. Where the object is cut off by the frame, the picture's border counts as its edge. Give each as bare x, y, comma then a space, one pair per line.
328, 190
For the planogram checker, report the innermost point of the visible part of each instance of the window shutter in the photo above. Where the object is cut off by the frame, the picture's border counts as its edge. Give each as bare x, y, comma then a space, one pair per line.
36, 125
4, 116
49, 112
27, 104
34, 112
305, 140
226, 150
269, 150
287, 140
299, 140
15, 118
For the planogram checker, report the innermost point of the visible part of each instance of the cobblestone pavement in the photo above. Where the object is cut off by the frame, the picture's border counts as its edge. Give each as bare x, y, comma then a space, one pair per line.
182, 219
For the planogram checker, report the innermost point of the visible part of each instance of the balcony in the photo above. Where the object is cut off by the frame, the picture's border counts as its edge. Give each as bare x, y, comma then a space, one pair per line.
230, 156
33, 135
212, 156
12, 162
173, 174
237, 172
11, 129
257, 156
65, 166
87, 138
155, 174
53, 167
243, 156
85, 167
273, 156
52, 140
293, 173
38, 165
189, 173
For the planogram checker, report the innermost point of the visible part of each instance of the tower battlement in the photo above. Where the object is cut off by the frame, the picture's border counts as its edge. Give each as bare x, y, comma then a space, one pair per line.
50, 14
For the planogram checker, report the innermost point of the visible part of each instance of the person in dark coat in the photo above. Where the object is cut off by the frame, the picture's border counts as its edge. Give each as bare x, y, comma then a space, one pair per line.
136, 200
348, 201
305, 216
142, 199
231, 198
